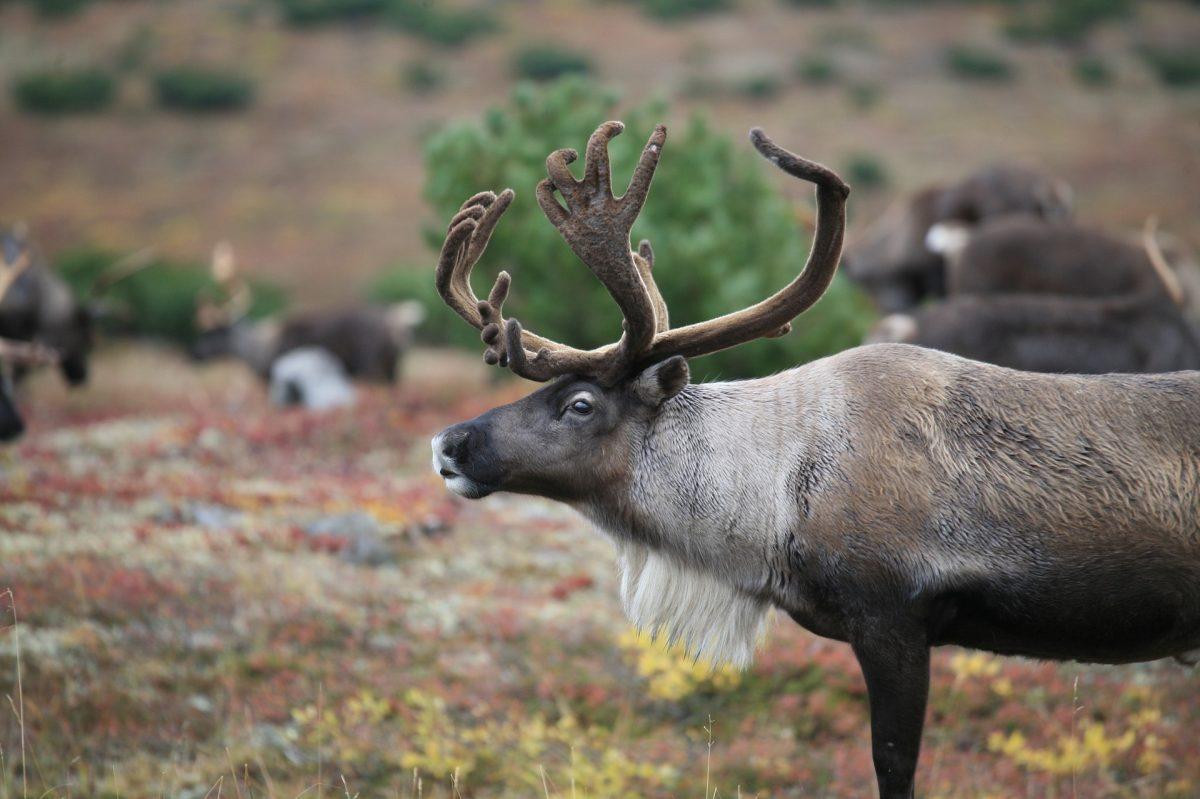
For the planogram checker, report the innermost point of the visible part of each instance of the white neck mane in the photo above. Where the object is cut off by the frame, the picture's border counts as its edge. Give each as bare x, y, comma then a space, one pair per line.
700, 532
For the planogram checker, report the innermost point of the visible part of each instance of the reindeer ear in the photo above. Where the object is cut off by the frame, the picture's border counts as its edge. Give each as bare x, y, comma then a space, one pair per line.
663, 380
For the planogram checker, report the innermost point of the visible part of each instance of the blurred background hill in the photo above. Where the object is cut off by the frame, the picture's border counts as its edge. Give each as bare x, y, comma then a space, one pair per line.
296, 128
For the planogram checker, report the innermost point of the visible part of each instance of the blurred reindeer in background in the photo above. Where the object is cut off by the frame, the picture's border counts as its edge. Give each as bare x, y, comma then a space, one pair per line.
368, 341
16, 354
893, 262
40, 307
1064, 298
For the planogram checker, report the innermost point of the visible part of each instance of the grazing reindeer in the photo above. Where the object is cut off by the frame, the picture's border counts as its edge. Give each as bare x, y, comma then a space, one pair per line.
891, 497
895, 264
369, 341
1143, 332
1026, 255
16, 354
41, 307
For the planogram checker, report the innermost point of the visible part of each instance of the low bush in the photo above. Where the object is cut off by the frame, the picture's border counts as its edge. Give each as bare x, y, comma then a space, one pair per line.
1175, 67
969, 62
678, 9
865, 95
1093, 71
202, 90
422, 77
428, 20
303, 13
548, 61
1064, 20
761, 86
725, 236
64, 91
816, 69
158, 301
449, 28
864, 171
57, 8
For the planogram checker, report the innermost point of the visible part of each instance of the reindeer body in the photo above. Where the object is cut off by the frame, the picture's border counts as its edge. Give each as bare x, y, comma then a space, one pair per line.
368, 341
41, 307
892, 480
1045, 333
1029, 256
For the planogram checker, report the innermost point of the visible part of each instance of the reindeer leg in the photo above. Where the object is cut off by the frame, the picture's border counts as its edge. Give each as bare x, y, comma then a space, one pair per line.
895, 665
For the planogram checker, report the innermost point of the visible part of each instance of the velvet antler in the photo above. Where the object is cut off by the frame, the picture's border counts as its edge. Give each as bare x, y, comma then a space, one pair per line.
596, 226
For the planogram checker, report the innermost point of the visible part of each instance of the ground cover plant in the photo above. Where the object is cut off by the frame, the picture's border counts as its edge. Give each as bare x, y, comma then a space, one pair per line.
215, 598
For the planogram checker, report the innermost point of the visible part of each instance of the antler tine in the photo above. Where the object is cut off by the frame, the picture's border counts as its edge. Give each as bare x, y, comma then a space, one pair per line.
470, 231
644, 259
772, 316
596, 227
11, 272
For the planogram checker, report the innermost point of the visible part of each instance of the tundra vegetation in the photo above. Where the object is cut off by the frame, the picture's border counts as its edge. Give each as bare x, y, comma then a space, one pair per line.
192, 571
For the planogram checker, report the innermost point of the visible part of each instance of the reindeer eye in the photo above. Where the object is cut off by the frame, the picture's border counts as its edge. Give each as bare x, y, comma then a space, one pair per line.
581, 407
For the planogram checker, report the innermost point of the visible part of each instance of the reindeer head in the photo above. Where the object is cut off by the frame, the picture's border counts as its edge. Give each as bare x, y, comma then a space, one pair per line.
571, 437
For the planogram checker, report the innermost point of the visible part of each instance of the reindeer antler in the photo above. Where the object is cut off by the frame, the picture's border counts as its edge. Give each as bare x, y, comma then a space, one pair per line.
10, 272
237, 295
596, 226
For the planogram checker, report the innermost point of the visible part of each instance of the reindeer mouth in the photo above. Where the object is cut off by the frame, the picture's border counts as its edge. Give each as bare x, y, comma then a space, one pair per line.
456, 481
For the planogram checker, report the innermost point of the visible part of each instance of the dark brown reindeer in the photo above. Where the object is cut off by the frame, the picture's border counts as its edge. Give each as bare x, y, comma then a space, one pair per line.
40, 307
892, 497
1026, 255
1135, 333
894, 262
16, 354
1055, 298
369, 341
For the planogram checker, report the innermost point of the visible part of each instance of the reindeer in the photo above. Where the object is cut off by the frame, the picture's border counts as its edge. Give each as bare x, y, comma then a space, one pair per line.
1026, 255
41, 307
1143, 332
16, 354
891, 497
895, 264
369, 341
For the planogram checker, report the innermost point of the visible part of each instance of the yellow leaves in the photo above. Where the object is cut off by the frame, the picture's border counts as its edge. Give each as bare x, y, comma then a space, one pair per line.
441, 744
1070, 754
967, 665
670, 672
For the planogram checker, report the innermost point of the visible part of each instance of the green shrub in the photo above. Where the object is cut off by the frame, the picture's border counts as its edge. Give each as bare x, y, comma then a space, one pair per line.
423, 18
816, 69
1093, 71
811, 3
158, 301
422, 77
1064, 20
677, 9
724, 234
449, 28
865, 171
1175, 67
303, 13
549, 61
64, 91
976, 63
865, 95
202, 90
761, 86
57, 8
